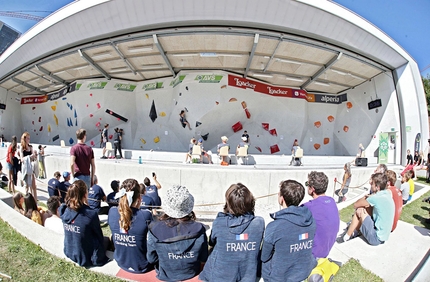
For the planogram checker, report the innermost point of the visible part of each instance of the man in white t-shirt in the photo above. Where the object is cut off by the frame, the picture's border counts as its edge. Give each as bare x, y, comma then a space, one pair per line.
54, 222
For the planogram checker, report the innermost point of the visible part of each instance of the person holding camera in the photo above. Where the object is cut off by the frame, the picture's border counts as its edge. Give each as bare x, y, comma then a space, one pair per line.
152, 190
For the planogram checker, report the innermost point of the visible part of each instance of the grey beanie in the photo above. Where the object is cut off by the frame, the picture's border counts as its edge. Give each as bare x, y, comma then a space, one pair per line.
179, 202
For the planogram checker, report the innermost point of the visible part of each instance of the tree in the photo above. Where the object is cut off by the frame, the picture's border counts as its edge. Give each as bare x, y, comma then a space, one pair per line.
426, 83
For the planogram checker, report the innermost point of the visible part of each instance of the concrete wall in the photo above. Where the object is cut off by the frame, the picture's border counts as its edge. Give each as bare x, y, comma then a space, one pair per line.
321, 128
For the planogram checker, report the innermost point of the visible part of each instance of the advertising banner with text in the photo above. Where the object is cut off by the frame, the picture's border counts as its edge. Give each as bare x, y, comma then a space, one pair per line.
277, 91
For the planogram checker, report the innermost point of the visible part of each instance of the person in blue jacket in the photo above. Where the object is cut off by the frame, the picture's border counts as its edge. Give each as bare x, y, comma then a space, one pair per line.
129, 227
83, 237
287, 248
177, 242
236, 238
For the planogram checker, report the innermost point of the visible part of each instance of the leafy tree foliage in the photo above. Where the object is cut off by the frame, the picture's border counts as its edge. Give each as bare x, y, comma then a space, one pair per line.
426, 83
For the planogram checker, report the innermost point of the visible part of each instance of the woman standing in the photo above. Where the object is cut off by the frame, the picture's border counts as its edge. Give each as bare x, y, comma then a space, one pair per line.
345, 183
83, 237
9, 164
129, 226
237, 224
177, 242
28, 155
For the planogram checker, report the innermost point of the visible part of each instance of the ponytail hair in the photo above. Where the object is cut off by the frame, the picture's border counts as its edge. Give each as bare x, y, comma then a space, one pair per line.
76, 195
124, 208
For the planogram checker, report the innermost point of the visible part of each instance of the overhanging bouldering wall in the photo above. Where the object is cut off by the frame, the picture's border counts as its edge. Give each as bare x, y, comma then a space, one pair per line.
214, 104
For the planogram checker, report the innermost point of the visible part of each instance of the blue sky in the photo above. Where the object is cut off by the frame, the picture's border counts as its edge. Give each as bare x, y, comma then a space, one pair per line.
406, 21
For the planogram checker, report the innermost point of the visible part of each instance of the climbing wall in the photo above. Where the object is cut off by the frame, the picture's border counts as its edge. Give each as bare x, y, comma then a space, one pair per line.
214, 104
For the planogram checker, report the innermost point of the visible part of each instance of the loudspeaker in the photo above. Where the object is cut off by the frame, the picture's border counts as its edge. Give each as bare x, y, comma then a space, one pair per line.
361, 161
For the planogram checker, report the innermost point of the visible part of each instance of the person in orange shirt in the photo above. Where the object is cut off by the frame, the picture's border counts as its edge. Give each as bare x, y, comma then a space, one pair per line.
397, 196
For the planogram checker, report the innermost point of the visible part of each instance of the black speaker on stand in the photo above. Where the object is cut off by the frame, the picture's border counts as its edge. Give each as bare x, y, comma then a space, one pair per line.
361, 161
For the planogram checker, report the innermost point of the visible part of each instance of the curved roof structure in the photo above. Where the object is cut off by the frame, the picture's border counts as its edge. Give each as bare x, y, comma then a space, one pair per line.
315, 45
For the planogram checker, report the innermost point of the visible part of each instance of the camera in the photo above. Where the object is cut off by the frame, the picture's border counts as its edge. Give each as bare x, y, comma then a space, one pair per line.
153, 174
44, 146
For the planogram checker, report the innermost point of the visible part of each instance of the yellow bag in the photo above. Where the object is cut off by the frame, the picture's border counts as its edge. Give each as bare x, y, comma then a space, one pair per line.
325, 270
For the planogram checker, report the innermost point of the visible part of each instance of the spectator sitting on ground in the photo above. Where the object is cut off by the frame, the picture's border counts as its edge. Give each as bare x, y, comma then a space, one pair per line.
54, 185
95, 196
412, 165
208, 154
176, 242
396, 195
32, 211
146, 202
64, 186
324, 212
190, 150
83, 237
237, 220
411, 185
374, 214
224, 143
405, 187
112, 202
419, 165
54, 222
293, 226
129, 227
18, 200
152, 190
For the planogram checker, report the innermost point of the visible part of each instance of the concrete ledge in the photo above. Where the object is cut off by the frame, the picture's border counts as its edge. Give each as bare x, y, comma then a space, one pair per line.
46, 239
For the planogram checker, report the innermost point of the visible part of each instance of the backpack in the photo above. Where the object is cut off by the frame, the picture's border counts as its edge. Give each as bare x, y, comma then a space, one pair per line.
325, 270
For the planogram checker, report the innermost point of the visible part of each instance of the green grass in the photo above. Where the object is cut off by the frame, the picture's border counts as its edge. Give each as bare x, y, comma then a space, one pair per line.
25, 261
353, 271
414, 213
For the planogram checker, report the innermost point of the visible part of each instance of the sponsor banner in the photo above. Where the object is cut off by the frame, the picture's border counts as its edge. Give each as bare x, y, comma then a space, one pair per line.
244, 83
280, 91
268, 89
327, 98
153, 86
212, 78
124, 87
241, 82
177, 80
34, 100
49, 97
383, 148
57, 95
97, 85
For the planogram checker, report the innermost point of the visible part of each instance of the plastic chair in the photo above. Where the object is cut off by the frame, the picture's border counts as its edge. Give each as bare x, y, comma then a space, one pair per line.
243, 153
298, 156
196, 153
223, 152
109, 148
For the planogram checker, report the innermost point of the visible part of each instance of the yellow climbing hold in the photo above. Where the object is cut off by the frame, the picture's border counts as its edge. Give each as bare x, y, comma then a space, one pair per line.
49, 128
56, 119
162, 114
147, 96
142, 140
54, 108
156, 139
